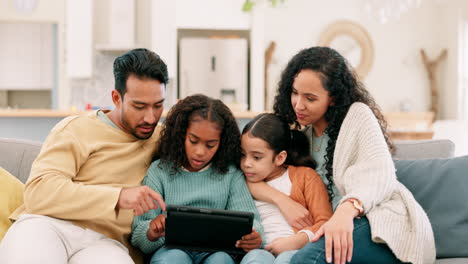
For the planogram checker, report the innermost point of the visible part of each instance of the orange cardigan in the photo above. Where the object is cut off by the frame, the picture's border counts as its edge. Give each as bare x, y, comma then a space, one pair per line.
309, 190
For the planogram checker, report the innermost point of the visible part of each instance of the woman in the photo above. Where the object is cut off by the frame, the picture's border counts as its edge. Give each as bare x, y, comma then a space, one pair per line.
376, 219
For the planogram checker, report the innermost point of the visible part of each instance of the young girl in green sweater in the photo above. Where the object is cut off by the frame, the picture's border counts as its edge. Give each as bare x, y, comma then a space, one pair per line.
199, 152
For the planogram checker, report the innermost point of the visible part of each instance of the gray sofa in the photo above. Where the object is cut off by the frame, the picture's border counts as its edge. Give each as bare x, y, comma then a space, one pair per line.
16, 157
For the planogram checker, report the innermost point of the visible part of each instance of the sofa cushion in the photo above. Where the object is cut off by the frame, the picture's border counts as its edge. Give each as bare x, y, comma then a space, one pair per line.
11, 196
441, 187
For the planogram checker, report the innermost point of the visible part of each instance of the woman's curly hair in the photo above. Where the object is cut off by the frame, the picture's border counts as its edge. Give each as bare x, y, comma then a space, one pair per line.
342, 84
171, 149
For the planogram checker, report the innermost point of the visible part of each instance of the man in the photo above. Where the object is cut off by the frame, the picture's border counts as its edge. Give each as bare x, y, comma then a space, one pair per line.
84, 187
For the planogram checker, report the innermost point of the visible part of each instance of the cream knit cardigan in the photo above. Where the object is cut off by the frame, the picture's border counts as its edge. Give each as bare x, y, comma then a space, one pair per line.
363, 168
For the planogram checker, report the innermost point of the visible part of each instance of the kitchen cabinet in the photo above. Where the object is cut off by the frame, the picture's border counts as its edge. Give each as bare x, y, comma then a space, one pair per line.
28, 56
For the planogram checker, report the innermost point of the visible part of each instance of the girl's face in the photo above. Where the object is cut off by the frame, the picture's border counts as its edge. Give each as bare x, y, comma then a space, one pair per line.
201, 143
309, 99
259, 162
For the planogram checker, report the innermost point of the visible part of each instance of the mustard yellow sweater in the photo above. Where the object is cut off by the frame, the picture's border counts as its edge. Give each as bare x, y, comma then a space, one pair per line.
78, 175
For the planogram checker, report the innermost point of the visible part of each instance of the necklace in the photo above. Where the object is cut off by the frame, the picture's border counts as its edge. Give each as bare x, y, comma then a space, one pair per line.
319, 145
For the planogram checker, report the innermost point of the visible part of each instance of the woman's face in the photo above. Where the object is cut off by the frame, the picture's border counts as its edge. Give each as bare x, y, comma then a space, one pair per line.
201, 143
309, 99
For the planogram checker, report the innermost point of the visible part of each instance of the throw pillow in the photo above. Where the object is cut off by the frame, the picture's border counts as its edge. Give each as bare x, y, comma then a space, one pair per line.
11, 196
441, 188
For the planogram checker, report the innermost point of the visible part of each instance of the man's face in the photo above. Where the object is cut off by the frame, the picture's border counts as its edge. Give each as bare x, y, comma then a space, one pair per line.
141, 106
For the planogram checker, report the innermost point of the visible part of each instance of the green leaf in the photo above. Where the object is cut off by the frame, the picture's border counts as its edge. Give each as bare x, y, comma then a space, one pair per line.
247, 6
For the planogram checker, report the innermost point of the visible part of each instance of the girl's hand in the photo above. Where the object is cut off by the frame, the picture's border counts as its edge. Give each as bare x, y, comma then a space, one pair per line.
281, 244
338, 233
250, 241
157, 228
296, 214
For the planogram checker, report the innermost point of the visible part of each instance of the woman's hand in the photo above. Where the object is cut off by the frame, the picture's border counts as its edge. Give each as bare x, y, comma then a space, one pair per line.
250, 241
282, 244
296, 214
157, 228
338, 233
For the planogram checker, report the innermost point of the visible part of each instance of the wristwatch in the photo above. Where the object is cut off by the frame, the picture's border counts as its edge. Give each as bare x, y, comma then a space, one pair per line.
357, 204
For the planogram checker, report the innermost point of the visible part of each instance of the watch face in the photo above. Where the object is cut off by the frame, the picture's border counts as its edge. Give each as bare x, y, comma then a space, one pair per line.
25, 6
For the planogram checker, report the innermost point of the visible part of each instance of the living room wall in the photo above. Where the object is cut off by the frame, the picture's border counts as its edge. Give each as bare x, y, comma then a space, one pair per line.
398, 74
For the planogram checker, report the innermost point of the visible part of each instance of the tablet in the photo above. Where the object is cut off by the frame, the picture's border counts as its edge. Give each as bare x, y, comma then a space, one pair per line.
205, 229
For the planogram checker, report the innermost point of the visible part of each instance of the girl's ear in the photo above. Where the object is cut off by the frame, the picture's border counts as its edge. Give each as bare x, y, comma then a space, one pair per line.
281, 158
332, 101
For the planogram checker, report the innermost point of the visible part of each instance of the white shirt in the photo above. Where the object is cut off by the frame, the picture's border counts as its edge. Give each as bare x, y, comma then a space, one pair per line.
273, 222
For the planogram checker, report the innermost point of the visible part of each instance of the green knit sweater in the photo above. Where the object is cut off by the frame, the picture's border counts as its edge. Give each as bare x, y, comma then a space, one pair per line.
202, 189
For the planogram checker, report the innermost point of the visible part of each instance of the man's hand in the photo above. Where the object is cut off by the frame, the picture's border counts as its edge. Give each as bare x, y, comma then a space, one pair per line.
282, 244
141, 199
250, 241
157, 228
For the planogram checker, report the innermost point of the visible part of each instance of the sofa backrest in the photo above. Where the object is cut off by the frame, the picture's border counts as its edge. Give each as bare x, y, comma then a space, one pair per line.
17, 156
424, 149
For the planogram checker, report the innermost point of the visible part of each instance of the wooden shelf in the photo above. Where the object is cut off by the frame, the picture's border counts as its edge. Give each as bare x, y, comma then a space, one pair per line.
37, 113
64, 113
411, 135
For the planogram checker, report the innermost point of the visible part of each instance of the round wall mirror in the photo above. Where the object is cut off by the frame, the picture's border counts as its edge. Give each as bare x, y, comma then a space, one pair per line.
353, 42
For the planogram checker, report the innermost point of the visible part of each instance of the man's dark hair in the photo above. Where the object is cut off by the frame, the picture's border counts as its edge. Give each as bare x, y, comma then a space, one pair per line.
143, 63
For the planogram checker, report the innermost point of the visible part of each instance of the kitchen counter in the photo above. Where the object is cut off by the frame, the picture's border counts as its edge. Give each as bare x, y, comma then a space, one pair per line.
35, 124
64, 113
37, 113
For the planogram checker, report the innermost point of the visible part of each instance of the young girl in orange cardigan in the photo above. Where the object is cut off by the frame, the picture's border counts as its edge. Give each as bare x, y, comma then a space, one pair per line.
279, 156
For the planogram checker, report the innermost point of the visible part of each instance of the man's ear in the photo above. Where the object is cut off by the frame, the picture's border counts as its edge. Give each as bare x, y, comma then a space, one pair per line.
281, 158
116, 98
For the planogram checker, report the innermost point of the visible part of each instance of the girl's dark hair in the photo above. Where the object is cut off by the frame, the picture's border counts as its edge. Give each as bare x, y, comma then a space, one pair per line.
343, 86
279, 137
172, 142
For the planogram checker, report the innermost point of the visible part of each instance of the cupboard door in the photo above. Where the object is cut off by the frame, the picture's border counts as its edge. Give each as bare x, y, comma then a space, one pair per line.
27, 56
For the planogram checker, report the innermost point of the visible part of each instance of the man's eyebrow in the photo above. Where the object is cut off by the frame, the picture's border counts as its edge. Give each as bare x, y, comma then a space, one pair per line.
144, 103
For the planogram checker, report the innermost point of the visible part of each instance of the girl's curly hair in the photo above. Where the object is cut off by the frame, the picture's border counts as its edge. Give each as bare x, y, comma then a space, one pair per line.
171, 149
342, 84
